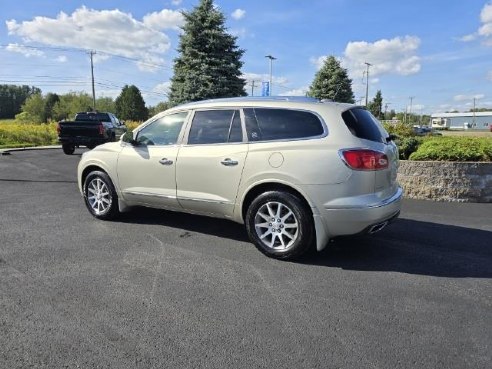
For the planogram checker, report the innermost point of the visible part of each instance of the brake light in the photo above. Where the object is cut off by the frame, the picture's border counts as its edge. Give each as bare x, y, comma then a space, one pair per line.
101, 129
364, 159
58, 128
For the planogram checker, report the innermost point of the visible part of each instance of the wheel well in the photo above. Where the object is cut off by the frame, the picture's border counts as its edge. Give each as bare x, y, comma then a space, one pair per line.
91, 168
265, 187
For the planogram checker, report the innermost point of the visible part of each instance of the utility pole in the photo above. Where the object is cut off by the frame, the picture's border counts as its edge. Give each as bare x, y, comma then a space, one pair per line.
386, 109
367, 81
411, 102
474, 100
272, 58
253, 87
92, 52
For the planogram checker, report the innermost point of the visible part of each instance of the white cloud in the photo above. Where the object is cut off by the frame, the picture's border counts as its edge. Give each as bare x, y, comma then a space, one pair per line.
176, 2
162, 88
485, 29
24, 50
486, 13
61, 59
395, 56
165, 19
489, 75
264, 77
296, 92
468, 38
318, 62
241, 32
109, 31
468, 97
238, 14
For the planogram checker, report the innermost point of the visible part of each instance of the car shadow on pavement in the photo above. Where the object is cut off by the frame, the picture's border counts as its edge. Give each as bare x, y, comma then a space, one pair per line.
186, 222
406, 246
413, 247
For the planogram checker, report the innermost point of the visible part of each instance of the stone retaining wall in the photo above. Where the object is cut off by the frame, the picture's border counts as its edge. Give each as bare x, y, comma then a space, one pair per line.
446, 181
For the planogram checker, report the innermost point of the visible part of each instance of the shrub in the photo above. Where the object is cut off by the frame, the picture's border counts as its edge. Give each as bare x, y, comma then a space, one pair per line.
25, 134
408, 145
454, 149
399, 129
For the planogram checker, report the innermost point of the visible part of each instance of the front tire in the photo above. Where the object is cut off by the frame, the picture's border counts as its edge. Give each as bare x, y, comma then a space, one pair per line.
280, 225
68, 149
100, 196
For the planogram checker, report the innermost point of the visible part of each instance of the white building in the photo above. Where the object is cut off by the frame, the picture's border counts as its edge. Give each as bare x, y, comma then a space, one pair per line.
479, 120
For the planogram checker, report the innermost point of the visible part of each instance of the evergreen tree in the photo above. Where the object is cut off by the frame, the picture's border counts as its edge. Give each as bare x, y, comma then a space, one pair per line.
376, 105
332, 82
209, 62
130, 105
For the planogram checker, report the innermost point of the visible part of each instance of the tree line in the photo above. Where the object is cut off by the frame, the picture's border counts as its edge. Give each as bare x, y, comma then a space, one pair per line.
208, 66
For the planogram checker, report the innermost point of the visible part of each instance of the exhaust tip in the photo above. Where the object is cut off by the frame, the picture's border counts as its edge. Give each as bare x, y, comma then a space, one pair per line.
377, 227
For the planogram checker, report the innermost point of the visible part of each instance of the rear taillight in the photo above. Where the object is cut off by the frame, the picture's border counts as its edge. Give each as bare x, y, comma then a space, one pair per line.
101, 129
58, 128
364, 159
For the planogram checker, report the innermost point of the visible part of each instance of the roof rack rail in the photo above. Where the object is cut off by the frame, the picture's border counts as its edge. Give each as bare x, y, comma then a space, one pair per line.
259, 98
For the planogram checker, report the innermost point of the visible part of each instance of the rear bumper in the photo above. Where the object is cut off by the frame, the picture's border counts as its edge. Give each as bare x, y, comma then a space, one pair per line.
358, 217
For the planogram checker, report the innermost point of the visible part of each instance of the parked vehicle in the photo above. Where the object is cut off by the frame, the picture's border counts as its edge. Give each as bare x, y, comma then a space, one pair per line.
89, 129
296, 171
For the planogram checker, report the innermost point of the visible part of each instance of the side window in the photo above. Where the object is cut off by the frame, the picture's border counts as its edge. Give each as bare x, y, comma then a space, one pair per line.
163, 131
215, 126
277, 124
362, 124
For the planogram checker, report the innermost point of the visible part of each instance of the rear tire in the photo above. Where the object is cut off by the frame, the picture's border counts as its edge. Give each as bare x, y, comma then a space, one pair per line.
100, 196
280, 225
68, 149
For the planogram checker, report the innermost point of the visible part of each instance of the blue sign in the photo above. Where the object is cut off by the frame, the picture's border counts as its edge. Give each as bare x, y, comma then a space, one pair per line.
265, 88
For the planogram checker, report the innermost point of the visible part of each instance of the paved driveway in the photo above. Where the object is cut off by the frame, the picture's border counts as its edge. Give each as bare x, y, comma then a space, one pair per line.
166, 290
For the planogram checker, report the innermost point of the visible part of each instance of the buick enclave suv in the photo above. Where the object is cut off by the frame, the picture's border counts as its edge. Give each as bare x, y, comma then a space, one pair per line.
296, 171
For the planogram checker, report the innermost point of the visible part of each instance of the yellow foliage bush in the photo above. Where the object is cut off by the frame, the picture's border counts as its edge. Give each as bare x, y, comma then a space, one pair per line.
14, 134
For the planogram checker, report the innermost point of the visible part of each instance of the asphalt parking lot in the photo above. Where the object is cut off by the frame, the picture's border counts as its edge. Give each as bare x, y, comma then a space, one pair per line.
167, 290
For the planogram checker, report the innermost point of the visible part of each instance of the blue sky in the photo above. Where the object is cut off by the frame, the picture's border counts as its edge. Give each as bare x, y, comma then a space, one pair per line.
438, 52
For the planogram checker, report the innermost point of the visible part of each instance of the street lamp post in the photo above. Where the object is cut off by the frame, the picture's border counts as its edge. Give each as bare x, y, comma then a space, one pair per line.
272, 58
367, 81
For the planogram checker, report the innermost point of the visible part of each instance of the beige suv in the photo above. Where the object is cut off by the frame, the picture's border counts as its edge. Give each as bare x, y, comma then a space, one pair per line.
296, 171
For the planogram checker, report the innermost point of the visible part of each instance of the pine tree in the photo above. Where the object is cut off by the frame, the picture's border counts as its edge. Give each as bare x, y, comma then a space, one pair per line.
376, 105
332, 82
209, 62
130, 105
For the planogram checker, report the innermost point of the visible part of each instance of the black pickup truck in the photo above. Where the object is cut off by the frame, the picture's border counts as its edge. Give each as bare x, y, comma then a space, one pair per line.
89, 129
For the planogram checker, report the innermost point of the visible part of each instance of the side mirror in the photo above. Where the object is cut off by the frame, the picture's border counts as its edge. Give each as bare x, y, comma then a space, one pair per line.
128, 138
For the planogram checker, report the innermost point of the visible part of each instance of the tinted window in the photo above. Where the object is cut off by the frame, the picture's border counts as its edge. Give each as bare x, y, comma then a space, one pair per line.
362, 124
215, 126
278, 124
163, 131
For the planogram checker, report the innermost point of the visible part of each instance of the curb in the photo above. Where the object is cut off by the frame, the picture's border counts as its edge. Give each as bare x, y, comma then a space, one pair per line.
7, 150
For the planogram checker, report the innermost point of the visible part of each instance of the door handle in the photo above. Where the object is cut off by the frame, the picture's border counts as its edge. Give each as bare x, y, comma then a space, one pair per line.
166, 161
229, 162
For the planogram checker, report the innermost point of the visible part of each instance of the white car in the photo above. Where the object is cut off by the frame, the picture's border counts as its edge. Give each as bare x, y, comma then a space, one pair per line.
296, 171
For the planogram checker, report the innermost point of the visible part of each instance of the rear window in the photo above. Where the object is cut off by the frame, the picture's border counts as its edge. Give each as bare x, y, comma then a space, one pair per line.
100, 117
362, 124
280, 124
